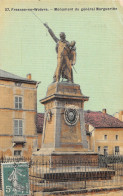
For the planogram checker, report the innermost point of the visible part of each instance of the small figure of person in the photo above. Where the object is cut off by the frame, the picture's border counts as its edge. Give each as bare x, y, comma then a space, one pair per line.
13, 178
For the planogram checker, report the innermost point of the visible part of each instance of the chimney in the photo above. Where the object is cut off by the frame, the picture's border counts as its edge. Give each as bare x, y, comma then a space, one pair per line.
104, 111
121, 115
28, 76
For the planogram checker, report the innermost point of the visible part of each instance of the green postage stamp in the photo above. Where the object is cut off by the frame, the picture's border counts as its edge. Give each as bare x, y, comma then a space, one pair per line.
15, 177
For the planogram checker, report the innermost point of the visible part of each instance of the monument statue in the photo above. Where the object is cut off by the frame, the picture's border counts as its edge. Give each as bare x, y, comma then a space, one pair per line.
66, 56
64, 135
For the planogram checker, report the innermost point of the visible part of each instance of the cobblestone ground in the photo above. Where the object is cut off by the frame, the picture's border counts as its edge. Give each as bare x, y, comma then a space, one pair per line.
115, 182
105, 193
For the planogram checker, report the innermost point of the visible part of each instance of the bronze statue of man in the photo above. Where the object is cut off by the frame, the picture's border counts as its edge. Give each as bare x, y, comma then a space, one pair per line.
69, 59
66, 55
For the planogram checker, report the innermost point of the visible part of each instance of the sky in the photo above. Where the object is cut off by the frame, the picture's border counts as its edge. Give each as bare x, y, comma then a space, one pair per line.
26, 47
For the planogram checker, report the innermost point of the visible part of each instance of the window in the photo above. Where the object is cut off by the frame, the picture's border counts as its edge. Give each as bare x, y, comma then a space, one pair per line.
18, 127
18, 102
105, 150
116, 137
99, 149
17, 152
117, 150
105, 137
17, 84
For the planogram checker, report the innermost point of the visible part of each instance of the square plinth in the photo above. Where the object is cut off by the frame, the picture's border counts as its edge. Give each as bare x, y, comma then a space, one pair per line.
65, 158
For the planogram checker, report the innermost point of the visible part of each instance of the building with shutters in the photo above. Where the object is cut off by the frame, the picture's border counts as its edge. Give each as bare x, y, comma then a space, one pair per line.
104, 133
18, 109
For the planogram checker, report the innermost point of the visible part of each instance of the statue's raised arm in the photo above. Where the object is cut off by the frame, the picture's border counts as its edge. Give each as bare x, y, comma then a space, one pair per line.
51, 33
66, 56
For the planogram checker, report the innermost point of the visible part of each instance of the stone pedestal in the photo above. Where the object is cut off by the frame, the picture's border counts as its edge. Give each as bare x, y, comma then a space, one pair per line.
64, 126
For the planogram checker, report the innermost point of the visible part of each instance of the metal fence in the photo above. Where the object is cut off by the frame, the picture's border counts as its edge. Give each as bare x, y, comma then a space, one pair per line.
50, 176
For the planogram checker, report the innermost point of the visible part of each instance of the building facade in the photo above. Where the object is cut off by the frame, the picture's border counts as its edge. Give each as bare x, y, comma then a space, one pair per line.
104, 133
18, 109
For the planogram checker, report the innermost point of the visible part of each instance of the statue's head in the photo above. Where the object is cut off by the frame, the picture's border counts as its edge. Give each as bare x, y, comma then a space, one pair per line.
62, 35
72, 43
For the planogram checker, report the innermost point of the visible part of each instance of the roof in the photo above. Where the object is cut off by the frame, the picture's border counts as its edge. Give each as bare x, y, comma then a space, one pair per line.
4, 75
102, 120
96, 119
40, 122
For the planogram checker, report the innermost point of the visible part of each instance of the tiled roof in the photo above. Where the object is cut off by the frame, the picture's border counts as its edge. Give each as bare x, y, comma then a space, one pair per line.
9, 76
96, 119
102, 120
6, 74
40, 122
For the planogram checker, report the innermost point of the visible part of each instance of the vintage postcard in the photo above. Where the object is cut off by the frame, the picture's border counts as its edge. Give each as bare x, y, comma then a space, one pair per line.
61, 96
96, 26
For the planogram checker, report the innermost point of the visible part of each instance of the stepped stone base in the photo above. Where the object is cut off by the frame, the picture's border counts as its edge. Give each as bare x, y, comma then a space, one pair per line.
65, 158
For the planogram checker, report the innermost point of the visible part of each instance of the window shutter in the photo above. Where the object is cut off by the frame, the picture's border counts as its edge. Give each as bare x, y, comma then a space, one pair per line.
116, 148
15, 127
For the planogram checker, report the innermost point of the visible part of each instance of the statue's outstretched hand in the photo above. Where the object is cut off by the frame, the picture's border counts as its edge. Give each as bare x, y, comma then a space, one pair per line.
46, 25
